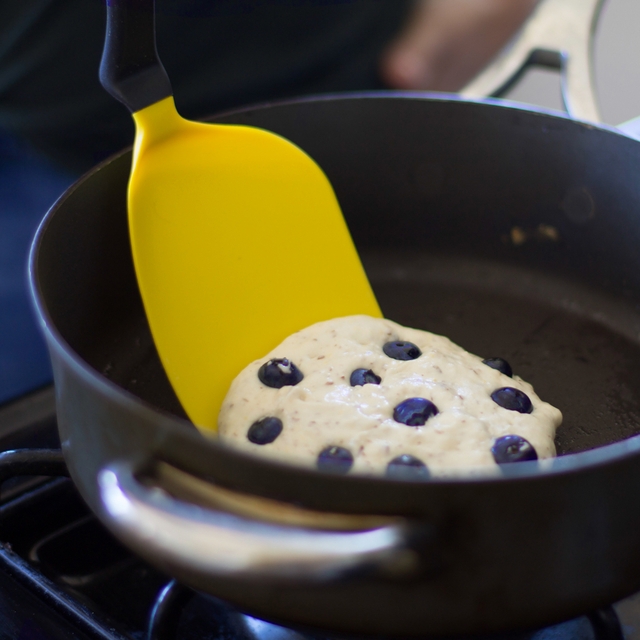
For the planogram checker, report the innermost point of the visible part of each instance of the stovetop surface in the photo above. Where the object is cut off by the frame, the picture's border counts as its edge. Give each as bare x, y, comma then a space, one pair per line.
63, 575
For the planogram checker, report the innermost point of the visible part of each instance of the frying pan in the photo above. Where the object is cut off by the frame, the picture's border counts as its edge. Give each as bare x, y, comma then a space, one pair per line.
514, 232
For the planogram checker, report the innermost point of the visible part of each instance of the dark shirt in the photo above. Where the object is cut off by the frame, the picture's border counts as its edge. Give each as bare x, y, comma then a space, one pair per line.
218, 53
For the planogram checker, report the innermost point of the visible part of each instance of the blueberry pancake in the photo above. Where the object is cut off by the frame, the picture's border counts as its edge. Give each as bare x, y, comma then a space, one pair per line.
367, 395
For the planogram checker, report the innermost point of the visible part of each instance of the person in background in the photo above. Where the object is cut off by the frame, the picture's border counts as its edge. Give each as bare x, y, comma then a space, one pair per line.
56, 121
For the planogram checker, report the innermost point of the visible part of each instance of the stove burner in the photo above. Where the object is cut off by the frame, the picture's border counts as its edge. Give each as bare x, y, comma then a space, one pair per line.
167, 611
174, 597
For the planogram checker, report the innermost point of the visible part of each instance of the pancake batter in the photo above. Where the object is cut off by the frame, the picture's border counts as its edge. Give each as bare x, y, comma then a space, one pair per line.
367, 395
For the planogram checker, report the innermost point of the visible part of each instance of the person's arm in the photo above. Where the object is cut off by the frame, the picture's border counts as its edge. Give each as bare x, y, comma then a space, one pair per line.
447, 42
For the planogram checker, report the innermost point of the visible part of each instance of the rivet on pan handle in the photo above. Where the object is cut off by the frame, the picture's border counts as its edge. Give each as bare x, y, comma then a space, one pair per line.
558, 34
190, 540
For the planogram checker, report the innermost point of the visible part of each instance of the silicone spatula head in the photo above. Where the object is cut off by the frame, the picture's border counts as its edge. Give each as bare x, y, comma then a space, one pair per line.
237, 237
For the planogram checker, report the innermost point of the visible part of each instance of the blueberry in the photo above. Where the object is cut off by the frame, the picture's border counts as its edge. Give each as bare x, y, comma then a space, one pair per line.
279, 372
399, 350
406, 467
414, 412
513, 449
500, 364
335, 460
512, 399
264, 431
364, 376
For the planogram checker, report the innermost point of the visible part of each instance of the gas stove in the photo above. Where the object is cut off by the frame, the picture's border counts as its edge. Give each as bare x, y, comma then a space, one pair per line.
63, 575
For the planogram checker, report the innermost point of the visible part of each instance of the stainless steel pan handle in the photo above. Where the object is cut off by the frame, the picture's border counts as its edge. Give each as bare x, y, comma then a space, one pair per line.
193, 540
558, 34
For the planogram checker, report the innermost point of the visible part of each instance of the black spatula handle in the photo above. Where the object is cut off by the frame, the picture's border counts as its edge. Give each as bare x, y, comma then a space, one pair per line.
131, 70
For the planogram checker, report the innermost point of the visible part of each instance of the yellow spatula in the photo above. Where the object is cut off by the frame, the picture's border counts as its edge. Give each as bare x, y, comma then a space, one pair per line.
237, 237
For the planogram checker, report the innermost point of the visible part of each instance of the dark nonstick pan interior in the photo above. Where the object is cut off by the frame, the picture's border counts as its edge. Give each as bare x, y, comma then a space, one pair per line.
513, 233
